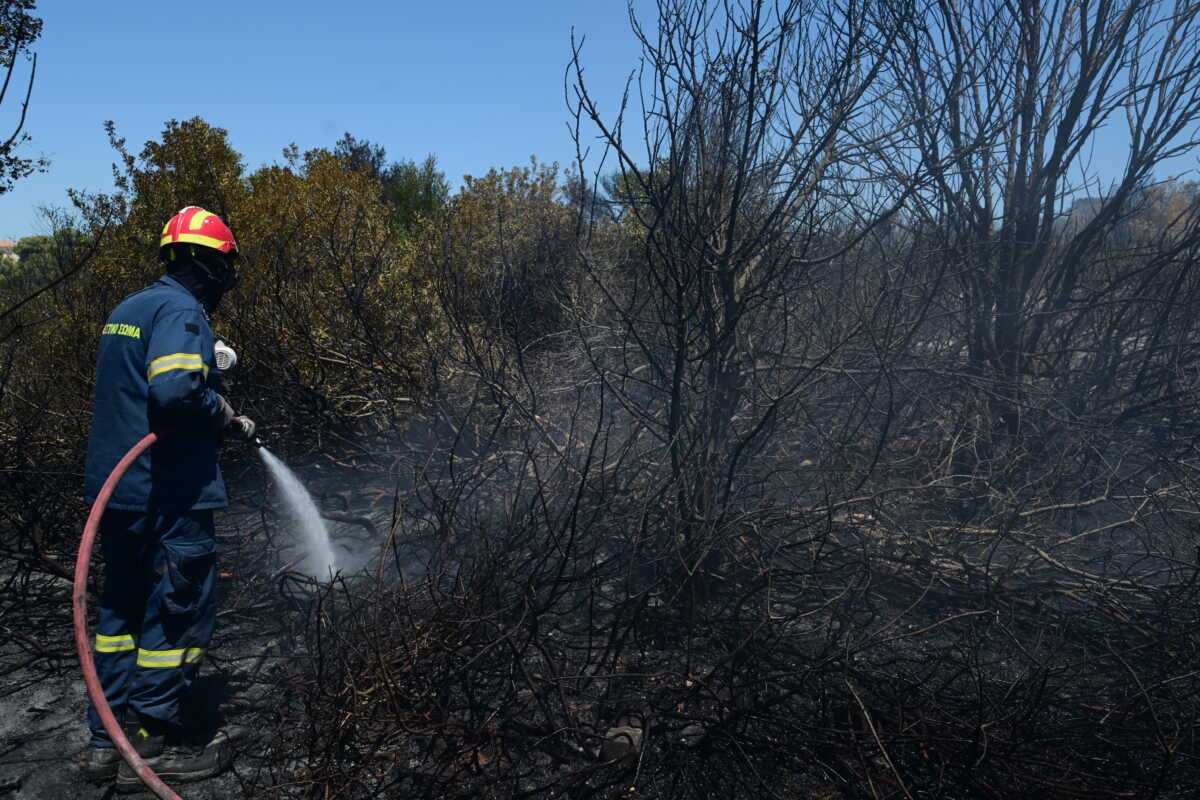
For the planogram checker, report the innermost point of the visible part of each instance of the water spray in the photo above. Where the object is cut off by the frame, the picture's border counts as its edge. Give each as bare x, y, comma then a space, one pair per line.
318, 560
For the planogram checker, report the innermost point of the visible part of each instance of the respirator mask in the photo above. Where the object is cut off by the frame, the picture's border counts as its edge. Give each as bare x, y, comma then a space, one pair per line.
224, 356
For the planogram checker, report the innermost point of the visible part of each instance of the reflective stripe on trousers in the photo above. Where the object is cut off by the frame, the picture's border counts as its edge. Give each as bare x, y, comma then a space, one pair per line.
149, 658
169, 658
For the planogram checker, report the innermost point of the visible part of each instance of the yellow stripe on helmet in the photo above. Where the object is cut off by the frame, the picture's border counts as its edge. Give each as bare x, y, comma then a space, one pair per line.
195, 238
198, 219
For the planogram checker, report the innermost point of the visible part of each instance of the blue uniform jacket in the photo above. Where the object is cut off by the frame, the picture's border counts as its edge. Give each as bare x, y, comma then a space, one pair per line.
154, 371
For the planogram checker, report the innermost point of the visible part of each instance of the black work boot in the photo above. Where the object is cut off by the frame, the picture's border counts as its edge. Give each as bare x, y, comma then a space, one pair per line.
183, 762
100, 764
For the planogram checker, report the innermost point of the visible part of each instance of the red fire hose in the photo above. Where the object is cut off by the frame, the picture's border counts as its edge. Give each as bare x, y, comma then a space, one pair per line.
82, 640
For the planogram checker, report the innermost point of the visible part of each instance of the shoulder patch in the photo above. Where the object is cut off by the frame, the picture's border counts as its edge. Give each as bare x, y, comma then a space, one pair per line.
122, 329
190, 328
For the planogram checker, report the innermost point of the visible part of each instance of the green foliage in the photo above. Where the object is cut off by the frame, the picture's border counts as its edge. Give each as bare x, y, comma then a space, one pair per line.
19, 29
193, 164
362, 155
36, 260
328, 320
414, 190
30, 247
629, 191
503, 255
350, 264
411, 190
327, 303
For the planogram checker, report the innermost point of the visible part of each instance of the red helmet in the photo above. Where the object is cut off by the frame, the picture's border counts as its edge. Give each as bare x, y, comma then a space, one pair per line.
194, 225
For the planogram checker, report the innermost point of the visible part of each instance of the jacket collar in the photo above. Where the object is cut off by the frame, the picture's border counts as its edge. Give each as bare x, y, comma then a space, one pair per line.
172, 282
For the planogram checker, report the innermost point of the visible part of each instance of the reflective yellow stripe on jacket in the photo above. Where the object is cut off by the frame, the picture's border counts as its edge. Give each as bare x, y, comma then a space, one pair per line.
114, 644
185, 361
169, 658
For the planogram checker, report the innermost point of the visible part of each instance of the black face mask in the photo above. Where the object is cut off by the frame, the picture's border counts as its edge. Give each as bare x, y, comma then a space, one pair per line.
206, 273
219, 268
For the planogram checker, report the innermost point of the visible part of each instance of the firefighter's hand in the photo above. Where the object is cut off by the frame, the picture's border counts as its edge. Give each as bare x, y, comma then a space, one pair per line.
232, 424
241, 428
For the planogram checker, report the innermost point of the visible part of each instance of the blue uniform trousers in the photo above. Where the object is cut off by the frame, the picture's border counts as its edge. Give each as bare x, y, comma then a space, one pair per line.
157, 612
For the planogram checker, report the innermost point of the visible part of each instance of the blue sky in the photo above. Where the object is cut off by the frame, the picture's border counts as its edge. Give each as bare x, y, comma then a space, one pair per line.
478, 84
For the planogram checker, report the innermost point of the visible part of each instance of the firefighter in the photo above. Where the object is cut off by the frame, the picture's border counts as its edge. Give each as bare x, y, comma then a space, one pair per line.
155, 371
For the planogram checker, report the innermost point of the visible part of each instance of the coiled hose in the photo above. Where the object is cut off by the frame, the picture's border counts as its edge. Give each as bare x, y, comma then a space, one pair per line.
83, 641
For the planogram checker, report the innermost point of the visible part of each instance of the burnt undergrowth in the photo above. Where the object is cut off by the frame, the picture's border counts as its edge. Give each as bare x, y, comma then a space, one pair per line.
534, 616
542, 635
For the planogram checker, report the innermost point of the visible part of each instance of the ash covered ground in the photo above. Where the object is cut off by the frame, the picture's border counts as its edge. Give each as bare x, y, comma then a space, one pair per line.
42, 697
